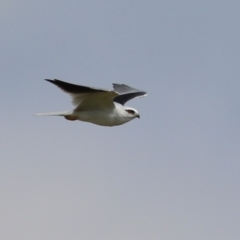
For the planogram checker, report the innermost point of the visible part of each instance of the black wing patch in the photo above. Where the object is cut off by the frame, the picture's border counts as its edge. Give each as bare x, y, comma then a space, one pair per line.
126, 93
72, 88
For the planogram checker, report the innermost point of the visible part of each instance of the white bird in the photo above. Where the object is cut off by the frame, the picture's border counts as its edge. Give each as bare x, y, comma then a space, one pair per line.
98, 106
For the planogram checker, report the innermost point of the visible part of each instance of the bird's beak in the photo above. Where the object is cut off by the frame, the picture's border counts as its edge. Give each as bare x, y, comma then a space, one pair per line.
138, 116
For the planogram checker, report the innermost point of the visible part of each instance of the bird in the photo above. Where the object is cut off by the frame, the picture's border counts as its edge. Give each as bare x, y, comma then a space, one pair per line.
98, 106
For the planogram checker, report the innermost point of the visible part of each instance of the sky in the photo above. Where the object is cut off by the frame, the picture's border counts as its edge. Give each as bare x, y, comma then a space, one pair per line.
173, 174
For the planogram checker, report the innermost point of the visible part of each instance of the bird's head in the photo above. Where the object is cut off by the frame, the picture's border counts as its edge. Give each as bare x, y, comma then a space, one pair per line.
131, 113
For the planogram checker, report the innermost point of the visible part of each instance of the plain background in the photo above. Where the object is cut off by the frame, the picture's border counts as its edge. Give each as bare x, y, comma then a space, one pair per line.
173, 174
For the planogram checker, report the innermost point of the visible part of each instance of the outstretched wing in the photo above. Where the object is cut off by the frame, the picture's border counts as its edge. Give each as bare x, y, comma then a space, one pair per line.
86, 98
73, 88
126, 93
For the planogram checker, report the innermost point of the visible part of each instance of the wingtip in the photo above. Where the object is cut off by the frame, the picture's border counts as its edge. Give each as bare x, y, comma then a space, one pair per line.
119, 84
49, 80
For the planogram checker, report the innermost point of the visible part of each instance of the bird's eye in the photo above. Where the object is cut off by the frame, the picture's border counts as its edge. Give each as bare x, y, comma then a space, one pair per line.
130, 111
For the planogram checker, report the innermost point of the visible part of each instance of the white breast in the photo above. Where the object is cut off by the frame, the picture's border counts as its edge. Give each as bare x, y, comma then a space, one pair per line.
108, 117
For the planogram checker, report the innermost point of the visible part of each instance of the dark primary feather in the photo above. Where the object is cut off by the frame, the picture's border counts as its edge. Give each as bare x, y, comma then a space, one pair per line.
126, 93
72, 88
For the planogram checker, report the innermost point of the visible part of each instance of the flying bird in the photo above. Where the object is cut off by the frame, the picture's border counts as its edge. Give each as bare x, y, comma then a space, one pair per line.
98, 106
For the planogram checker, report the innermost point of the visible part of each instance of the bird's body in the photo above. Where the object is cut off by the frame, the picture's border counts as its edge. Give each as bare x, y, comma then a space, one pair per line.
98, 106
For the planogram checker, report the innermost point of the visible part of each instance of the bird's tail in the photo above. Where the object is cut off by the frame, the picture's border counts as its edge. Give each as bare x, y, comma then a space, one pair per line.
66, 113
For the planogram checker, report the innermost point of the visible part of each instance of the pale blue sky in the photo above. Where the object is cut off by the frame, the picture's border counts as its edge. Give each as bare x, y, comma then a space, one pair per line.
174, 174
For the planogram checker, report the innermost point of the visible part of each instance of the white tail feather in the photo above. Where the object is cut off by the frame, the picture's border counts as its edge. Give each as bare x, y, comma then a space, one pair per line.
55, 114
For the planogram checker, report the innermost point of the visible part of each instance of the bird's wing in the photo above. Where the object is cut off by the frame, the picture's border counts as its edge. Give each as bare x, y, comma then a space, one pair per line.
87, 98
126, 93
